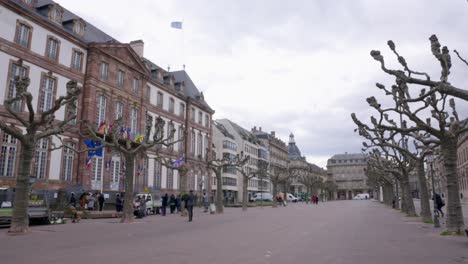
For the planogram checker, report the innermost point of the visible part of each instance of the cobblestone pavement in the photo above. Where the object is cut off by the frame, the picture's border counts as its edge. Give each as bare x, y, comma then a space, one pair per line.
341, 232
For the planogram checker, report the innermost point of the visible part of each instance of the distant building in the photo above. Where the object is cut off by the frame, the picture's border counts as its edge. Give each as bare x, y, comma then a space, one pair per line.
348, 172
232, 139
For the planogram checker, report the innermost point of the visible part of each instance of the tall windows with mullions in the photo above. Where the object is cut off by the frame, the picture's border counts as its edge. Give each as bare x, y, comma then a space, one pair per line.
67, 161
115, 171
20, 71
47, 93
8, 155
40, 164
100, 109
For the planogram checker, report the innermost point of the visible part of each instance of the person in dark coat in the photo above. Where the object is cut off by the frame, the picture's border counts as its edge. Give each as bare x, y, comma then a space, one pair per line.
101, 201
73, 200
165, 199
439, 203
179, 203
172, 203
118, 203
190, 201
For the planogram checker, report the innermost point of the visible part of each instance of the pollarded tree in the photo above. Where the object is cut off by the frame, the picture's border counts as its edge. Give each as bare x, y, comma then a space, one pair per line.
410, 76
311, 180
248, 174
276, 175
38, 124
118, 138
377, 176
382, 138
422, 110
217, 165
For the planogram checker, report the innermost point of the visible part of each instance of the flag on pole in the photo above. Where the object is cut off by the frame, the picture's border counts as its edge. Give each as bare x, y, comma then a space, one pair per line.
178, 162
89, 160
176, 24
102, 127
138, 138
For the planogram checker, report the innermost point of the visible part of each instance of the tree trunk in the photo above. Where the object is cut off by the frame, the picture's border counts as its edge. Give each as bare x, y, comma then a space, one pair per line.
127, 216
455, 221
183, 190
20, 219
275, 192
424, 194
407, 199
389, 194
219, 192
397, 196
245, 193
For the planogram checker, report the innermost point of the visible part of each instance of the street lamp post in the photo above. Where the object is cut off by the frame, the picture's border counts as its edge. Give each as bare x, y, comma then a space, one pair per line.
436, 214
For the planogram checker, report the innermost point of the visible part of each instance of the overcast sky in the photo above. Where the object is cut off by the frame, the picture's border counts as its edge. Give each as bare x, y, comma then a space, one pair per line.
287, 66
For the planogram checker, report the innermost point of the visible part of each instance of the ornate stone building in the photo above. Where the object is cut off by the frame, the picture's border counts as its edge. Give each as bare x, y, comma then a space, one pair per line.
51, 45
348, 172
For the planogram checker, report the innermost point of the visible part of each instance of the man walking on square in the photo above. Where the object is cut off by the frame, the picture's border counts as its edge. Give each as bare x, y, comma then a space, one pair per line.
189, 203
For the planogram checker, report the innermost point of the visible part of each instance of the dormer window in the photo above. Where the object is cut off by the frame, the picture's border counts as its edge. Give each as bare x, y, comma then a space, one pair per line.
29, 2
78, 27
55, 13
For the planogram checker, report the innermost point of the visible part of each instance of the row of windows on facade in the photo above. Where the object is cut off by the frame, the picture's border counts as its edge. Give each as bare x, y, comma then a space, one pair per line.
104, 73
229, 145
117, 169
226, 181
348, 161
24, 38
48, 87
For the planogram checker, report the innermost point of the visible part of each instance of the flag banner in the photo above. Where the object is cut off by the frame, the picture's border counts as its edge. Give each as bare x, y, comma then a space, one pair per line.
102, 127
93, 144
138, 138
176, 24
178, 162
89, 160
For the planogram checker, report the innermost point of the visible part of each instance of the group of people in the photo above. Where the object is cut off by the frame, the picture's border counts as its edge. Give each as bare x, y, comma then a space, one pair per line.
90, 202
315, 199
175, 203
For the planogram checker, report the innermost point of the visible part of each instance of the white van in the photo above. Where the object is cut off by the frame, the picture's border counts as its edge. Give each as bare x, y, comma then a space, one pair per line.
262, 196
361, 196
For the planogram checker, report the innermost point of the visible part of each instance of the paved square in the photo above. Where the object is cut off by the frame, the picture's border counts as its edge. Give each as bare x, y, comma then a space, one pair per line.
344, 232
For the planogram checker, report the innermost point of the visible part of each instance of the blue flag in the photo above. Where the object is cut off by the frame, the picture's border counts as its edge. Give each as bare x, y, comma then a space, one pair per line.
93, 144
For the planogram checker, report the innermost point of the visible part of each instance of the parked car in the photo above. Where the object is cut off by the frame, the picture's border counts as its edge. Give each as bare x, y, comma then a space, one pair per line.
152, 204
37, 209
292, 198
267, 197
361, 196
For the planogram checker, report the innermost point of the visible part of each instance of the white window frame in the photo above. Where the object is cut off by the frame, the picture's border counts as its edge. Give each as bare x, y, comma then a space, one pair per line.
115, 172
8, 155
101, 102
47, 93
118, 110
133, 120
68, 156
16, 70
104, 71
52, 48
40, 162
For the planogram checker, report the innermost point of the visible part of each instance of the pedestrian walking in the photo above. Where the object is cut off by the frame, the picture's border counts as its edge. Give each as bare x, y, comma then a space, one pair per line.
118, 203
205, 202
101, 201
190, 201
439, 203
165, 199
172, 203
74, 212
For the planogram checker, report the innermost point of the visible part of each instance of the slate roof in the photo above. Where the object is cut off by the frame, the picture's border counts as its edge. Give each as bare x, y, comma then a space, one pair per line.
223, 130
244, 133
190, 90
293, 151
91, 34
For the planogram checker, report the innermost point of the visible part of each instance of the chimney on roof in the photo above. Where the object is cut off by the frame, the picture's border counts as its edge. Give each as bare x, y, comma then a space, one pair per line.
273, 134
138, 46
260, 129
254, 129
